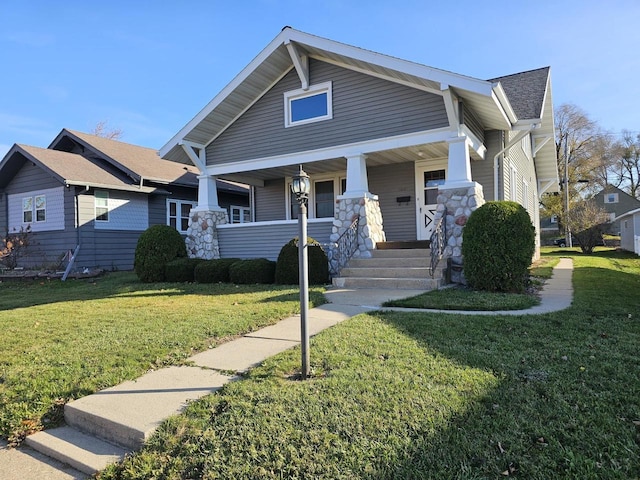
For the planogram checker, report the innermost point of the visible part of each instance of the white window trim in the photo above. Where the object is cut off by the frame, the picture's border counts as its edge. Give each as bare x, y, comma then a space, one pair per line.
615, 198
35, 208
337, 178
243, 213
513, 184
525, 194
95, 206
30, 210
179, 204
298, 94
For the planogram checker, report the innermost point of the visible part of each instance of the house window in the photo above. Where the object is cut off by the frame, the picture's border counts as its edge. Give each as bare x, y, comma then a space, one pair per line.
27, 210
101, 198
178, 214
554, 219
240, 214
513, 185
324, 198
41, 208
611, 198
308, 106
525, 194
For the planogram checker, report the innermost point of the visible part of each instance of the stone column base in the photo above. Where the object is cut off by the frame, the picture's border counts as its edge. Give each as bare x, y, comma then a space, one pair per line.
370, 230
202, 234
456, 205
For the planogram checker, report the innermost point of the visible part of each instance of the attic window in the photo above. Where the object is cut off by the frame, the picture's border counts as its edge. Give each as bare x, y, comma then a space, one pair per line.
307, 106
611, 198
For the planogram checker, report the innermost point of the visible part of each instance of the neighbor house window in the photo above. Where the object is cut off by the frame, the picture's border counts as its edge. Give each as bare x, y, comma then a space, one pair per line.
102, 205
308, 106
41, 208
554, 219
240, 214
611, 198
178, 214
27, 210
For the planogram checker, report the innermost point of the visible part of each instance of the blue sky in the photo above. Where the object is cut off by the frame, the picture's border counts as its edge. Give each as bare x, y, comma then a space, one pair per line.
148, 67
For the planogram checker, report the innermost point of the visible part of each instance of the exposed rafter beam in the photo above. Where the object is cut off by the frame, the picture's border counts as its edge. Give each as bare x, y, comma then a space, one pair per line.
196, 154
451, 106
545, 184
300, 61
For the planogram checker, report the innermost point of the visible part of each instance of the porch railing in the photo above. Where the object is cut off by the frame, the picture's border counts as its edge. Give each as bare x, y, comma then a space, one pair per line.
438, 239
342, 250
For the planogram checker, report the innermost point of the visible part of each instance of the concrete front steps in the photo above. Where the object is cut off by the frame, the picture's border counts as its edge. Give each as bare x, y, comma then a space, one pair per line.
102, 428
392, 268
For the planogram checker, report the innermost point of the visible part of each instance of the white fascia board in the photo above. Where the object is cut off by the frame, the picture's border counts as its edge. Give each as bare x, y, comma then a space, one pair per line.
471, 84
500, 97
224, 93
627, 214
400, 141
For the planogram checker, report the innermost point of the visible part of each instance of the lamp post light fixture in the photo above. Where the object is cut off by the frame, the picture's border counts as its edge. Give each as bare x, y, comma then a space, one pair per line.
300, 187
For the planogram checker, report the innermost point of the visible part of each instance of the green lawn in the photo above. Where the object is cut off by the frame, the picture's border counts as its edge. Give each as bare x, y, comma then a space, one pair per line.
415, 395
61, 341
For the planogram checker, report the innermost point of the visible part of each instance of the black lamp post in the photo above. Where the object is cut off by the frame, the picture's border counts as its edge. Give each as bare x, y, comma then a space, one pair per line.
300, 187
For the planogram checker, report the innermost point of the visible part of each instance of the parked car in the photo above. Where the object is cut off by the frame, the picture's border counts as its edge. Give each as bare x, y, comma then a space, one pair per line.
562, 242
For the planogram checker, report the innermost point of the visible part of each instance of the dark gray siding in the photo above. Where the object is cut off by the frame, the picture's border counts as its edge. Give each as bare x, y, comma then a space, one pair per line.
30, 178
390, 182
270, 201
266, 241
364, 108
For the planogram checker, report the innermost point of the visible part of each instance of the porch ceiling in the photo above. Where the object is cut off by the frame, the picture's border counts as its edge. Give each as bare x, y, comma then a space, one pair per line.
386, 157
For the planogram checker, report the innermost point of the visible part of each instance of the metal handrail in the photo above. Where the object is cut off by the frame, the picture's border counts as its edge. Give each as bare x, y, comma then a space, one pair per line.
437, 244
342, 250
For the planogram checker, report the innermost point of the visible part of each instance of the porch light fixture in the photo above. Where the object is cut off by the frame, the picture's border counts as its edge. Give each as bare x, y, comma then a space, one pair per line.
300, 187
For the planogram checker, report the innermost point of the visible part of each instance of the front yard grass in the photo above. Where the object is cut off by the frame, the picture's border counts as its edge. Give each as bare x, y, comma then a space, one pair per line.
425, 395
64, 340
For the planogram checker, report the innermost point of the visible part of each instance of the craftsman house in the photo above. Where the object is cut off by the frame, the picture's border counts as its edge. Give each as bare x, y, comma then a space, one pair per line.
391, 147
94, 196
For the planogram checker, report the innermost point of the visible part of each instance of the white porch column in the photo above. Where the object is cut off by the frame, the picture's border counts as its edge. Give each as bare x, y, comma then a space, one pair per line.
459, 165
207, 194
357, 182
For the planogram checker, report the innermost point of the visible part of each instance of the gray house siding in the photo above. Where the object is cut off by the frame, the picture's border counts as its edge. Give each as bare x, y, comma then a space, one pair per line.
364, 108
625, 203
266, 241
482, 170
390, 182
270, 201
471, 120
31, 178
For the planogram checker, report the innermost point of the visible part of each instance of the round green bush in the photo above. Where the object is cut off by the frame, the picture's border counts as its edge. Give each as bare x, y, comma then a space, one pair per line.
214, 271
157, 245
254, 270
498, 243
287, 264
181, 269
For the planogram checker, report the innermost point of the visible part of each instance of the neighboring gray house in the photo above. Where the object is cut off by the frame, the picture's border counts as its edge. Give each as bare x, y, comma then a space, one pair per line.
630, 230
395, 143
615, 202
99, 194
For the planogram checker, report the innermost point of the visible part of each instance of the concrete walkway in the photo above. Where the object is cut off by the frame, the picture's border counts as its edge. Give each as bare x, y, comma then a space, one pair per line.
127, 414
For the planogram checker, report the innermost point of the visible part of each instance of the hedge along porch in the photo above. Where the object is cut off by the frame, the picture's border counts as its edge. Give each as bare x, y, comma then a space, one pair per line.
395, 144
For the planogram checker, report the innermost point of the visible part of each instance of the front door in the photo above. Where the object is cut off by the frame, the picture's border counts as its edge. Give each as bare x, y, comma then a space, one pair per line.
427, 183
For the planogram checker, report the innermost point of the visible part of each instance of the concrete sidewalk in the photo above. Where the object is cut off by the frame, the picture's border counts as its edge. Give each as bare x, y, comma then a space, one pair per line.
102, 428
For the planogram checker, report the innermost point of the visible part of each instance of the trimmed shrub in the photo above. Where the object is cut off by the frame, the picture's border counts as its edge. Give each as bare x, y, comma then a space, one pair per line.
157, 245
214, 271
181, 269
254, 270
287, 264
498, 244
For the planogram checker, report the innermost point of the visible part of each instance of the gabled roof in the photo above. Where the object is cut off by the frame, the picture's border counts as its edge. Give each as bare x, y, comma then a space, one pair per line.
526, 92
489, 99
139, 163
67, 168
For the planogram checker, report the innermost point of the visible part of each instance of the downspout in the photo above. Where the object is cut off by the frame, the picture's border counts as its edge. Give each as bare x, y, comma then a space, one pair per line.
496, 158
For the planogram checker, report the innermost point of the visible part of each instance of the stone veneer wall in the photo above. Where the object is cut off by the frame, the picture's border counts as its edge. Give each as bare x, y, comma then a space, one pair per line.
202, 235
457, 204
370, 230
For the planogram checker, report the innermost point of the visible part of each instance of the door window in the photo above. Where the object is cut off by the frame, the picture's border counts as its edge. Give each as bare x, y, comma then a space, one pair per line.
432, 180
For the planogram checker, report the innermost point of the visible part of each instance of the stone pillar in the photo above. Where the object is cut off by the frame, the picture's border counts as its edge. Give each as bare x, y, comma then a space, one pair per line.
456, 204
370, 230
202, 234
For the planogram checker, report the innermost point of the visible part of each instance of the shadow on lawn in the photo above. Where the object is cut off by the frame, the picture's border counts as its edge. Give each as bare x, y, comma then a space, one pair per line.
126, 285
567, 395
